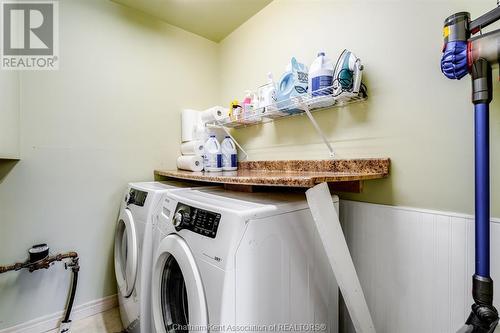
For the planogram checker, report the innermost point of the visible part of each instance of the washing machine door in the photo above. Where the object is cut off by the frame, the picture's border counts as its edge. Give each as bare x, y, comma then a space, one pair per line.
178, 297
126, 253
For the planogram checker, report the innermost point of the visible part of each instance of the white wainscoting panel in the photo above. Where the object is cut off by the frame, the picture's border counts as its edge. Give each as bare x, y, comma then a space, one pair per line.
415, 265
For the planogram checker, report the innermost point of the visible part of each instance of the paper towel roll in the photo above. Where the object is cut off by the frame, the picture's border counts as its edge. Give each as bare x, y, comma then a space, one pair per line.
216, 113
190, 163
189, 123
194, 147
201, 132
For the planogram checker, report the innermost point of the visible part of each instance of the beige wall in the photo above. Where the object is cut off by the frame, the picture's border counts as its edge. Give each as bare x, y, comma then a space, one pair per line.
414, 115
110, 115
9, 115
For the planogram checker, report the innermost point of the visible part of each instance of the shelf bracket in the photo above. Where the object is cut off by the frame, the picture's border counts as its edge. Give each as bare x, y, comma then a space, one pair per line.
305, 106
220, 126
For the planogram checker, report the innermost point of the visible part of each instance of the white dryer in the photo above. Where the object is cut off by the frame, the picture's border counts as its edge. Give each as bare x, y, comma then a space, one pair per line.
228, 261
133, 248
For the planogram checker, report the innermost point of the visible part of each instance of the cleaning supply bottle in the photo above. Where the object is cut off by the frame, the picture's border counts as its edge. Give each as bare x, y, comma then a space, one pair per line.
293, 83
267, 96
248, 107
213, 156
234, 111
321, 75
229, 155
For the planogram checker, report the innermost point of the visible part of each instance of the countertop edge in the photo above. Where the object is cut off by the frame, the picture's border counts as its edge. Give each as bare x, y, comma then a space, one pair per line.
291, 173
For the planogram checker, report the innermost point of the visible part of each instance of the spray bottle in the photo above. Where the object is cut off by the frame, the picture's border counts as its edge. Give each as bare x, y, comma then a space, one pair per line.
248, 107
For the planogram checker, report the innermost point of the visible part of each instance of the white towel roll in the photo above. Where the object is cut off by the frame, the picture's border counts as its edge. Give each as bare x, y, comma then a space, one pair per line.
194, 147
190, 163
189, 122
216, 113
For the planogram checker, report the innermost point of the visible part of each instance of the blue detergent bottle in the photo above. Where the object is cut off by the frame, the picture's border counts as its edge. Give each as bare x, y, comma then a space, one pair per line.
293, 83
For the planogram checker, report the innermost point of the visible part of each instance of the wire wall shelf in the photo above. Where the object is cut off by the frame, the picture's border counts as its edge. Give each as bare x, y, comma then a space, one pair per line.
304, 104
299, 105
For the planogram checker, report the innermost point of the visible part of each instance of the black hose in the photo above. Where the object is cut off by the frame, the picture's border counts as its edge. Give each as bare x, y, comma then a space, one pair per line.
72, 295
45, 263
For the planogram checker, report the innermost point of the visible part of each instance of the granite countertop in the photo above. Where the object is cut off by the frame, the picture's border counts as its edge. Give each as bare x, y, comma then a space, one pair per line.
291, 173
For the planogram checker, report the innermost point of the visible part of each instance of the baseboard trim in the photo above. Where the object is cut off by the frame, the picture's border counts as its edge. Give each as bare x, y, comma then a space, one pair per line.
52, 321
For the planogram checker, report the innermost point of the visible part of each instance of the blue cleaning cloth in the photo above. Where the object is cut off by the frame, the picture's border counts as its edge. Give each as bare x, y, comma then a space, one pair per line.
454, 60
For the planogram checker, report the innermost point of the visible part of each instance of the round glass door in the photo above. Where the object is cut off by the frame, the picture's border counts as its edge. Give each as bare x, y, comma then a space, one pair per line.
179, 304
126, 253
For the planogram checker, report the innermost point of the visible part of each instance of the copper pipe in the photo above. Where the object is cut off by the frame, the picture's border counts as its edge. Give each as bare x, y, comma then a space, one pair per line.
41, 264
46, 263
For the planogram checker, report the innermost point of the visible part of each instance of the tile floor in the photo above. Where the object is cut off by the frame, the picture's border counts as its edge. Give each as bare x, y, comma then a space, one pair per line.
105, 322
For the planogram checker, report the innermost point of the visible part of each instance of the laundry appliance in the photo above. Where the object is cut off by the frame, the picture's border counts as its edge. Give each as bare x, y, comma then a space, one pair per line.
228, 261
133, 252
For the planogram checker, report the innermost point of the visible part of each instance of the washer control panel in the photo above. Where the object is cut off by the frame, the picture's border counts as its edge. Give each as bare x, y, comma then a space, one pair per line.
136, 197
197, 220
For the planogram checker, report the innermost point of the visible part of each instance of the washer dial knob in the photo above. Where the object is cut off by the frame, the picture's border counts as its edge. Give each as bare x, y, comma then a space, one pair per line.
177, 221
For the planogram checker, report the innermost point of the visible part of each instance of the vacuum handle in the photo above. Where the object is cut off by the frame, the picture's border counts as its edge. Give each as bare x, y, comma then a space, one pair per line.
485, 20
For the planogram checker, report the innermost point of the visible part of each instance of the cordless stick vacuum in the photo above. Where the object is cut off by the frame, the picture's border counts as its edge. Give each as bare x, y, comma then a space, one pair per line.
464, 54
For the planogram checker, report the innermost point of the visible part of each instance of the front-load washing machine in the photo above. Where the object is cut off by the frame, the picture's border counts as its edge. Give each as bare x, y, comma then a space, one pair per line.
230, 261
133, 248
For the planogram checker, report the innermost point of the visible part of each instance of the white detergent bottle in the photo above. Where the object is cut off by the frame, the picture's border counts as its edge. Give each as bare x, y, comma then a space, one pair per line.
321, 75
229, 155
213, 157
266, 96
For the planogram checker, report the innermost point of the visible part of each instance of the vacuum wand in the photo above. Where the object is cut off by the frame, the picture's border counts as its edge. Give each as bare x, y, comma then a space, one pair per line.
484, 316
462, 55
